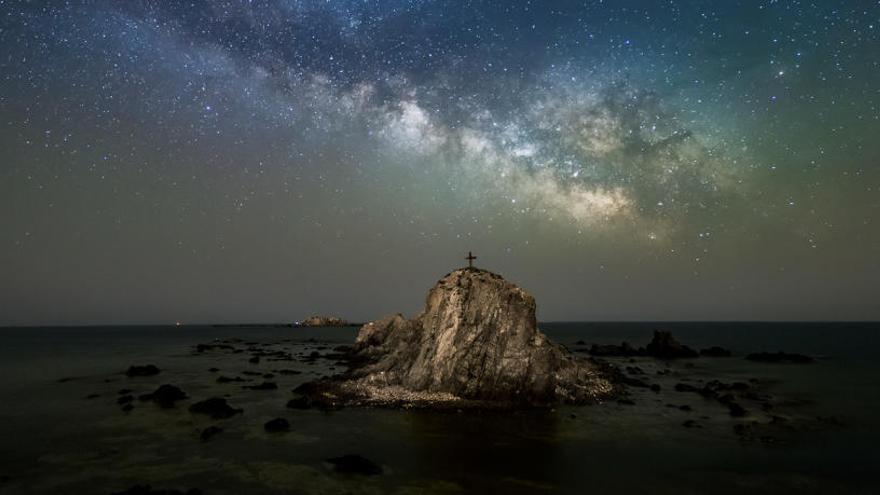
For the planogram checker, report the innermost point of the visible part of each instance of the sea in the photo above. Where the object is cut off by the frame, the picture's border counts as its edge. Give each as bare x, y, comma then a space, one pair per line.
62, 430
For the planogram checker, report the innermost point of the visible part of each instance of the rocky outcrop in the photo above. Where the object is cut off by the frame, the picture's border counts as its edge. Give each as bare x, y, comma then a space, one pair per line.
476, 341
664, 346
324, 321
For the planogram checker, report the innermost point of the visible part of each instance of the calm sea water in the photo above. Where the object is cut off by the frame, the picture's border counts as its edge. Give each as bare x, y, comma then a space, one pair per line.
54, 440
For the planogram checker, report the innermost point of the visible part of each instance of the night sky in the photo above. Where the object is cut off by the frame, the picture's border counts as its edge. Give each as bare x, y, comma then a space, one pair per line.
261, 161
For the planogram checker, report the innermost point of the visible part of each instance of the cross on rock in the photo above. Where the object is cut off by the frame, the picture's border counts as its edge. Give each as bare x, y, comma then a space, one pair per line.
470, 258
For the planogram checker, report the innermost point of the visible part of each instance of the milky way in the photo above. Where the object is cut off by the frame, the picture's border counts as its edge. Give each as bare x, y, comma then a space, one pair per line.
264, 160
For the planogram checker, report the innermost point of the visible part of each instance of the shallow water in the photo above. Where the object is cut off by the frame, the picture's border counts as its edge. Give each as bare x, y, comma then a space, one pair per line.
54, 440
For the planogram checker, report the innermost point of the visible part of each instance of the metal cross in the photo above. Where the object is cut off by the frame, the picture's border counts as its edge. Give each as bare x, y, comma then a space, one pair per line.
470, 258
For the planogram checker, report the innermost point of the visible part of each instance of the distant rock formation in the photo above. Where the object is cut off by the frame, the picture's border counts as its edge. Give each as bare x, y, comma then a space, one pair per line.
324, 321
663, 346
475, 342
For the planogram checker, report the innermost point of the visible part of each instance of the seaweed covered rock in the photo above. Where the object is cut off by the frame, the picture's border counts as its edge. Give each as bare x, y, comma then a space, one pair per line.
476, 340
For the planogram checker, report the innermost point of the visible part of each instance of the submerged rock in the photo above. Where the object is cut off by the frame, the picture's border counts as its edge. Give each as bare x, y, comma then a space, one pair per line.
299, 403
226, 379
210, 432
262, 386
216, 407
476, 341
166, 395
215, 346
276, 425
148, 370
355, 464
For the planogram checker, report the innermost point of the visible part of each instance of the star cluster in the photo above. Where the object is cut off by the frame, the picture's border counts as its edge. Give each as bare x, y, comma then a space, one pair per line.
259, 160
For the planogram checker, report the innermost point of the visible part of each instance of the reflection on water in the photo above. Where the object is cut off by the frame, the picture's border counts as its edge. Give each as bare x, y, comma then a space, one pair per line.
55, 440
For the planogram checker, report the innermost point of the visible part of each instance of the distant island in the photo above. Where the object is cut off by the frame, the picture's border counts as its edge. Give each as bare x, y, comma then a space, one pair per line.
324, 321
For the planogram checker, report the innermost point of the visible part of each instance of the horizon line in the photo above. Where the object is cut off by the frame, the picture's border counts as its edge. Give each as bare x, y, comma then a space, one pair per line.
357, 324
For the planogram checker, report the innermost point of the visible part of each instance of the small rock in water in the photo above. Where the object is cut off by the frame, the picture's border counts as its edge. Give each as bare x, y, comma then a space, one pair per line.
226, 379
124, 391
209, 432
125, 399
289, 372
166, 395
736, 410
216, 407
355, 464
213, 370
147, 370
254, 360
93, 396
127, 408
743, 430
276, 425
689, 423
210, 347
299, 403
262, 386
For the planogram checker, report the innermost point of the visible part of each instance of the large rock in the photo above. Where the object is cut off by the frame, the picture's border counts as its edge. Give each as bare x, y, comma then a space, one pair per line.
476, 341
